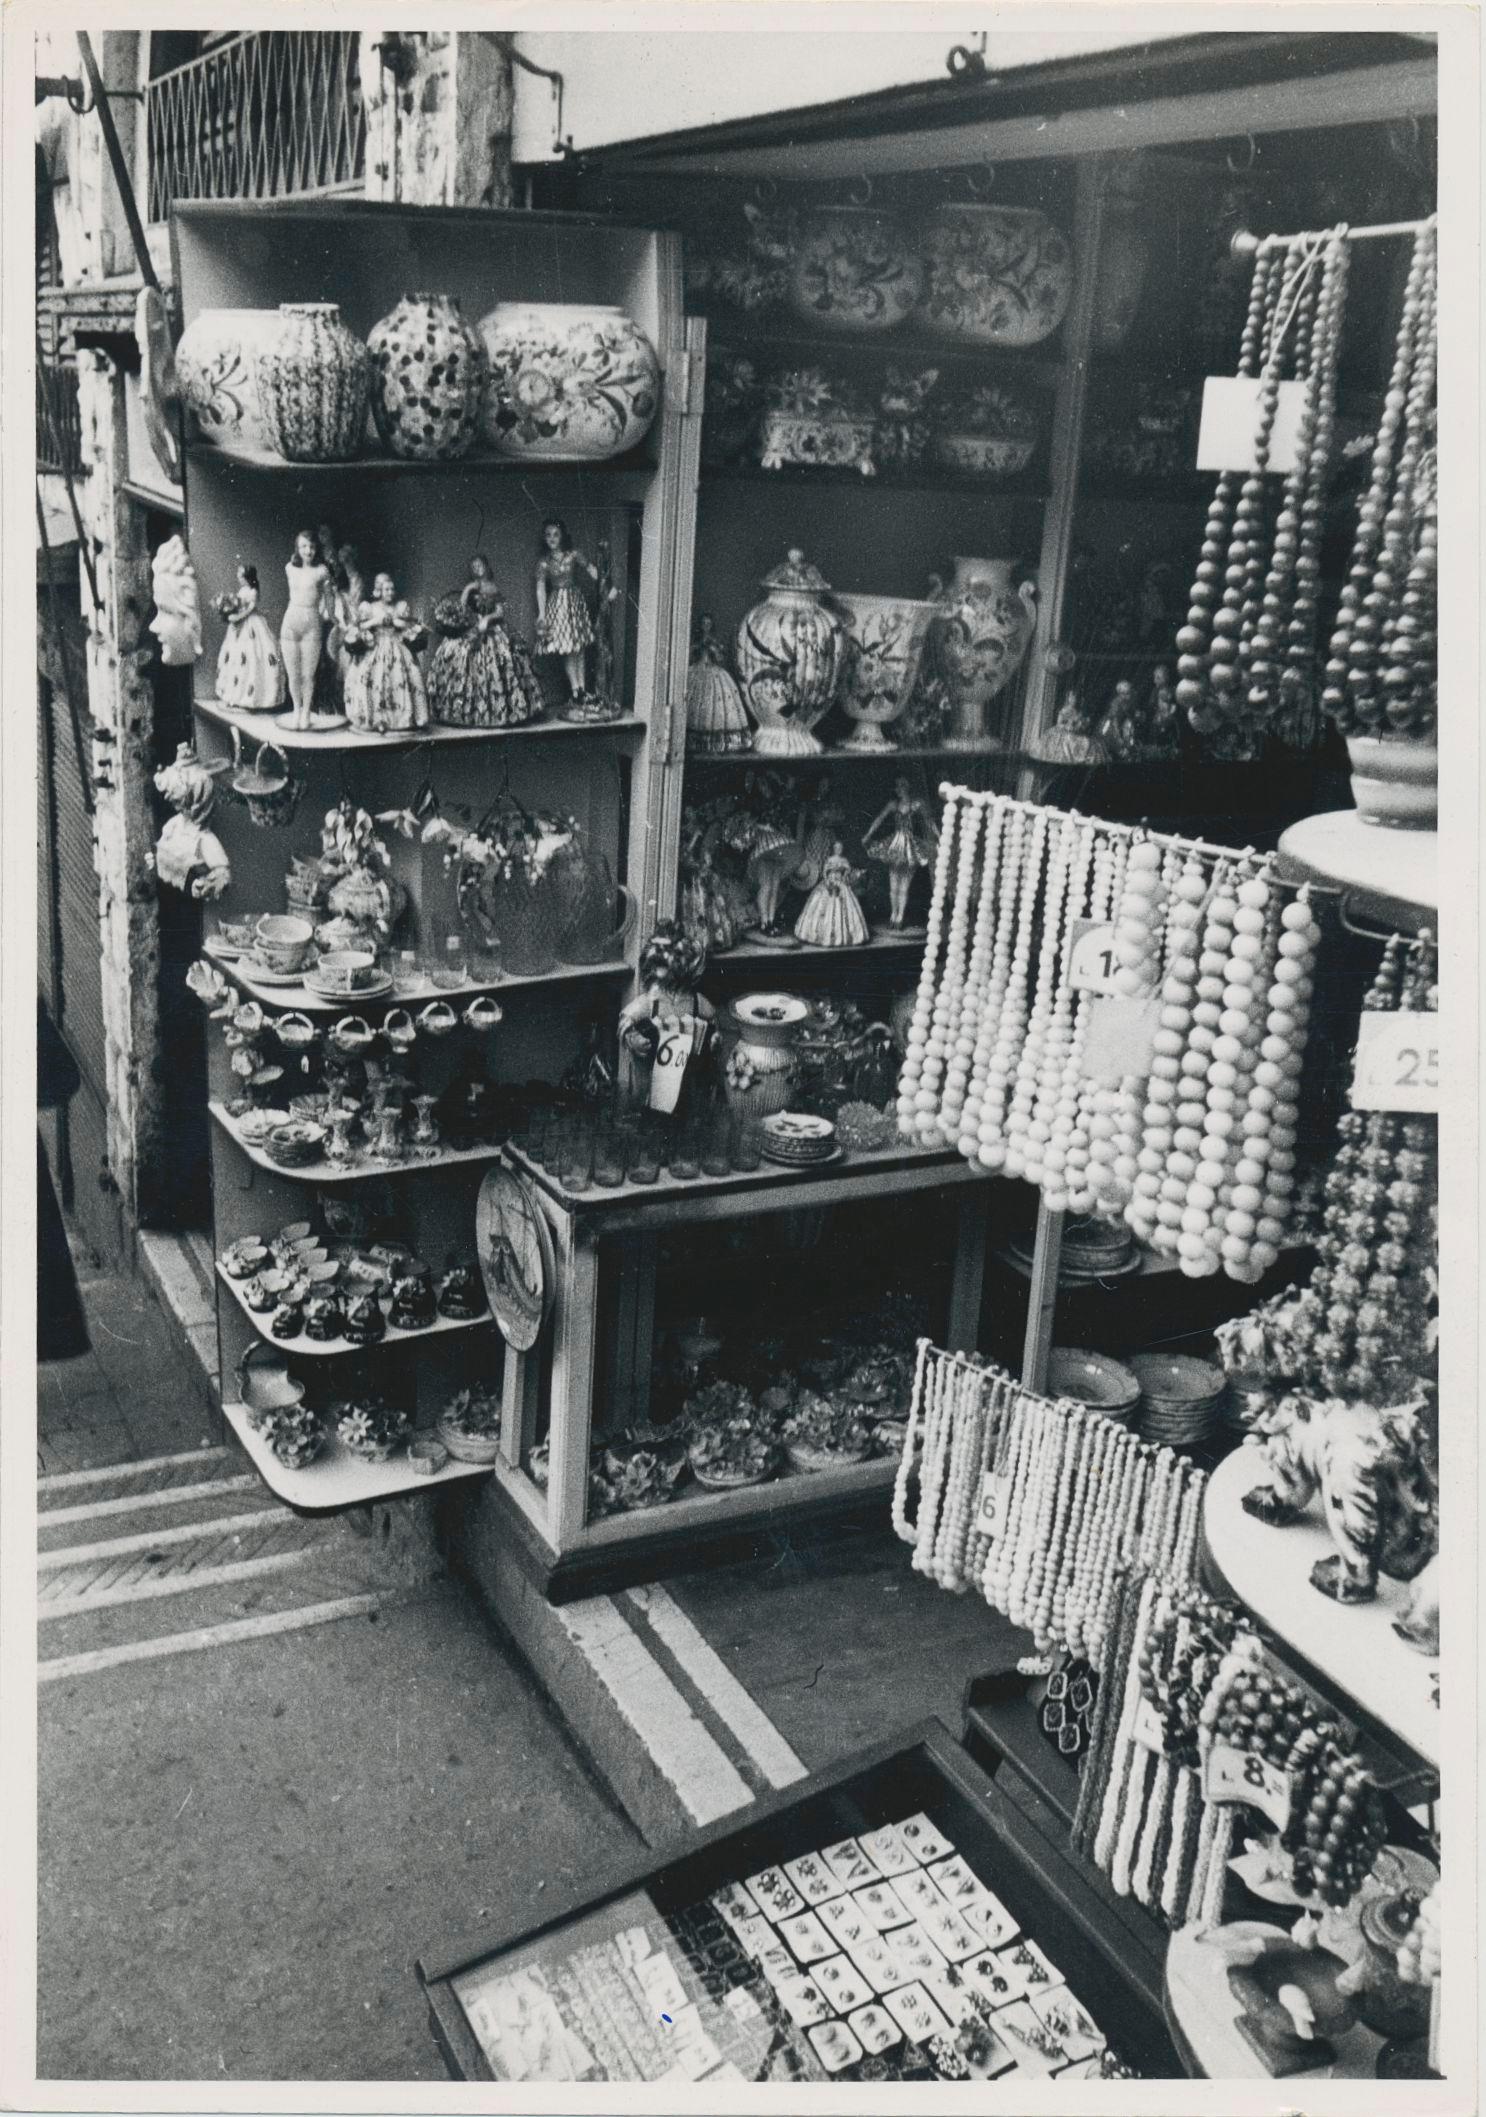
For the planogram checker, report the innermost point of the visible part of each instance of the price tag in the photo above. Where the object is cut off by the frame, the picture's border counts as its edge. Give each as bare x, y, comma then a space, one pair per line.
1230, 424
994, 1488
1398, 1063
1092, 962
672, 1057
1147, 1729
1120, 1038
1239, 1775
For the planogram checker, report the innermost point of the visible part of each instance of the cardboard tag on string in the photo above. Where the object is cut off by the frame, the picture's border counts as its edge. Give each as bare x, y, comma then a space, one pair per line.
1235, 1775
995, 1489
1147, 1729
1091, 956
1120, 1037
673, 1055
1230, 424
1398, 1063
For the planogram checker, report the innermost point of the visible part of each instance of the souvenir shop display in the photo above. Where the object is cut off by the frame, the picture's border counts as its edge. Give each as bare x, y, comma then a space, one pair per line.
565, 627
479, 675
716, 723
570, 382
1136, 1081
176, 623
187, 855
250, 668
1381, 672
904, 838
790, 653
428, 378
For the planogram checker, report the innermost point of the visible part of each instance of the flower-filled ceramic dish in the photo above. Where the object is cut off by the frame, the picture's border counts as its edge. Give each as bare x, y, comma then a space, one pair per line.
371, 1428
984, 432
295, 1435
469, 1425
820, 1435
636, 1478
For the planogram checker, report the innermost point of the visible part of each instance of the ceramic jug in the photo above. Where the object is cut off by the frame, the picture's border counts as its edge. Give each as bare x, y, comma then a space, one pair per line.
978, 641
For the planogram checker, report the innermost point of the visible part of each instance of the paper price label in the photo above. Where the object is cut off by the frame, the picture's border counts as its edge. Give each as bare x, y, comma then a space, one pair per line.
1120, 1039
1092, 961
672, 1057
1239, 1775
1398, 1063
1147, 1729
1230, 424
991, 1517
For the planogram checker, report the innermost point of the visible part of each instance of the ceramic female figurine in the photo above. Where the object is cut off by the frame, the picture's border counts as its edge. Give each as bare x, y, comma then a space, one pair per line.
250, 669
832, 917
1070, 742
819, 826
707, 913
1120, 730
773, 856
187, 855
480, 677
384, 692
564, 626
177, 620
671, 966
302, 634
902, 838
1163, 719
344, 593
716, 723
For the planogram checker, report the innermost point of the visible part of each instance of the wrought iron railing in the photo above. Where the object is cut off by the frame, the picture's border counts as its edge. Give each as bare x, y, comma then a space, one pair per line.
59, 421
269, 113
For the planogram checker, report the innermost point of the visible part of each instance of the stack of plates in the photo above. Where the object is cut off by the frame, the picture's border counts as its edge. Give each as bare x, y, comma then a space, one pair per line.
1181, 1399
1092, 1249
795, 1137
1093, 1379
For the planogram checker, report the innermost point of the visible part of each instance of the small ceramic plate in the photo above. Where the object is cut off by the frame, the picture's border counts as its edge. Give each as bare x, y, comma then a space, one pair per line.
377, 988
224, 950
259, 972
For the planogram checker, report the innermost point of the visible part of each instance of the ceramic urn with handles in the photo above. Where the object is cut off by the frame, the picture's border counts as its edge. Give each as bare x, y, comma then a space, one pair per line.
978, 642
791, 649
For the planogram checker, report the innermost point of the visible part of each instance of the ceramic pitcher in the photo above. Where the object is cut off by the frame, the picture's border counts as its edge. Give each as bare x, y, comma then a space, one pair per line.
978, 641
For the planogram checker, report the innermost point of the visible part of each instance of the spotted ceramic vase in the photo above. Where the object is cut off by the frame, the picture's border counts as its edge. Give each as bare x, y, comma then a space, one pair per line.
994, 275
569, 383
854, 271
428, 379
215, 365
314, 377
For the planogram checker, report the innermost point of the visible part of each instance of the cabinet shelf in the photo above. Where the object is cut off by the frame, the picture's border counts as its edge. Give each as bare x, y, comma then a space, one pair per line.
298, 999
334, 1348
267, 727
1006, 361
827, 478
637, 465
752, 955
337, 1479
839, 753
329, 1172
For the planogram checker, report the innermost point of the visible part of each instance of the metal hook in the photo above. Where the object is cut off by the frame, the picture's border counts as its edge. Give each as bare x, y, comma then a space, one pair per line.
981, 182
860, 193
1242, 168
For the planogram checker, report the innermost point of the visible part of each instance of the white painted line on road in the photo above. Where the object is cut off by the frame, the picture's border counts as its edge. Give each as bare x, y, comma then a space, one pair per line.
755, 1732
702, 1776
64, 1480
177, 1583
222, 1635
150, 1539
138, 1502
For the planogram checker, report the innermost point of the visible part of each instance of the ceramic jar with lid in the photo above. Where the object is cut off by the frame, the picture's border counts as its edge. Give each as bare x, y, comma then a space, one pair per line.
760, 1041
570, 382
428, 379
854, 270
994, 275
790, 651
314, 378
978, 641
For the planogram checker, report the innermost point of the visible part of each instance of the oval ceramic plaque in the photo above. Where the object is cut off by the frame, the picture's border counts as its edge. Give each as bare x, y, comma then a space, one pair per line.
516, 1261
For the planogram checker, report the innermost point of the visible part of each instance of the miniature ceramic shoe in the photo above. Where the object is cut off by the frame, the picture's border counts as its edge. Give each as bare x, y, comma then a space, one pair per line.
287, 1320
260, 1298
241, 1259
461, 1295
413, 1305
322, 1317
364, 1322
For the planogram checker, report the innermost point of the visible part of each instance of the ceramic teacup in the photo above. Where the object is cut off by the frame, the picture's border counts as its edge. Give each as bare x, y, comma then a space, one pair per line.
283, 942
346, 970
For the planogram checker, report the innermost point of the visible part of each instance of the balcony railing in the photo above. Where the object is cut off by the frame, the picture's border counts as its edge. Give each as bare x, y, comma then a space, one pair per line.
59, 424
269, 113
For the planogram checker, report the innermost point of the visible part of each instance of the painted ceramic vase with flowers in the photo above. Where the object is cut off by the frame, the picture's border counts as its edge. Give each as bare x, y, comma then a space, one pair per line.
569, 383
854, 270
994, 275
978, 641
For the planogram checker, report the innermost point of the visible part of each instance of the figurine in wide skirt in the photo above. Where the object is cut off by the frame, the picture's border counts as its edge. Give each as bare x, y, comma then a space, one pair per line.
903, 838
480, 676
250, 668
717, 723
384, 689
564, 626
832, 917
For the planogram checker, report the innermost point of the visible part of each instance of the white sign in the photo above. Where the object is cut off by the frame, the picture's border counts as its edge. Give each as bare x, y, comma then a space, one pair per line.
672, 1057
1147, 1728
1230, 424
1241, 1775
1092, 961
1398, 1063
994, 1487
1120, 1039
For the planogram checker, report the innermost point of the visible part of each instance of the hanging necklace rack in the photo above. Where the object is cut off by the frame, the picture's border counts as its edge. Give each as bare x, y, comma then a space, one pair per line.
1244, 244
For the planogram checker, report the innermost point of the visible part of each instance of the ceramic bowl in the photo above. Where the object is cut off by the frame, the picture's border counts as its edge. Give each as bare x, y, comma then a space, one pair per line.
1176, 1379
295, 1145
1093, 1379
983, 455
283, 942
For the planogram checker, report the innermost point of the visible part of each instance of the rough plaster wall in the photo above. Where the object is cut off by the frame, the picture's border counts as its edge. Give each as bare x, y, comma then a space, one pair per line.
441, 136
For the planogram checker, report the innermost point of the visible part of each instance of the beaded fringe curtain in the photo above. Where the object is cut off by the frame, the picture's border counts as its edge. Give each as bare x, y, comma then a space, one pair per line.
1009, 1051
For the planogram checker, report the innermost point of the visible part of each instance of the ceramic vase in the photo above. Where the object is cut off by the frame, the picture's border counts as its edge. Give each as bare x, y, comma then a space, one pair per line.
977, 642
428, 379
884, 652
216, 367
790, 651
994, 275
314, 377
569, 383
761, 1061
854, 270
1395, 783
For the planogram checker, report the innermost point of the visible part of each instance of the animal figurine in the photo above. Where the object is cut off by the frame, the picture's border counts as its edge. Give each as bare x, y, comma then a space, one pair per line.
1369, 1466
